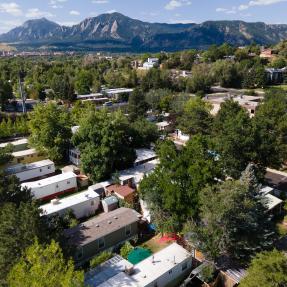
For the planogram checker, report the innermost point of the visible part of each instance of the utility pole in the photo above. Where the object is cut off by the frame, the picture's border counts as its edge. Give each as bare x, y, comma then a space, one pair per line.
22, 93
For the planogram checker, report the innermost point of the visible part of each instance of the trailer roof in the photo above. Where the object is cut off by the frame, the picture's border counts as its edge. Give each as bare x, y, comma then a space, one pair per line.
101, 226
50, 180
68, 202
30, 166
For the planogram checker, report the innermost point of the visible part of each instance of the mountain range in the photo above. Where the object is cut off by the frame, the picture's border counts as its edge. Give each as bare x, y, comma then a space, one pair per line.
116, 32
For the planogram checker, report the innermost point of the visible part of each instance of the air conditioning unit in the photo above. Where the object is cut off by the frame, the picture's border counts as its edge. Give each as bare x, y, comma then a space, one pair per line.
55, 201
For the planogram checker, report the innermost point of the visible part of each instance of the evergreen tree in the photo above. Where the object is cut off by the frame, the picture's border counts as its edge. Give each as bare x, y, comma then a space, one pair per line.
137, 105
233, 220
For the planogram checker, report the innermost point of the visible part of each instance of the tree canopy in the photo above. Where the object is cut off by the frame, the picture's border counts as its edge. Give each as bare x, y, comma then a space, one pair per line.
105, 142
267, 269
50, 130
44, 266
233, 220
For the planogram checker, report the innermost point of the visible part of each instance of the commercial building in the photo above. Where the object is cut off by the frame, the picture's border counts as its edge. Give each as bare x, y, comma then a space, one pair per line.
32, 171
83, 204
51, 187
105, 231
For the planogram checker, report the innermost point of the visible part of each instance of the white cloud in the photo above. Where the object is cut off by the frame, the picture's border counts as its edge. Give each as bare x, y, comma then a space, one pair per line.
6, 26
56, 4
67, 23
243, 7
246, 6
111, 11
233, 10
221, 9
74, 12
11, 8
264, 2
183, 21
36, 13
173, 4
100, 1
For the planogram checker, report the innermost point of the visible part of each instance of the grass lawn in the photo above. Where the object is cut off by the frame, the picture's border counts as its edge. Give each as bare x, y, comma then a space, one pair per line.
154, 245
284, 87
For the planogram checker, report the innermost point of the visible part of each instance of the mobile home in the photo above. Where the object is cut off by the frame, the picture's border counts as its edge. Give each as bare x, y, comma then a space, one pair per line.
32, 171
103, 232
18, 145
26, 156
51, 187
166, 268
82, 204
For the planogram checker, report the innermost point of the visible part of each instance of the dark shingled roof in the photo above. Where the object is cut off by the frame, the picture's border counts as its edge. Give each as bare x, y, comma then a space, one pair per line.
101, 226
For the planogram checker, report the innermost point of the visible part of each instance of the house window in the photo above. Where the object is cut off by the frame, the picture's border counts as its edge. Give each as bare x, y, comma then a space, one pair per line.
40, 169
184, 266
101, 243
49, 167
92, 203
128, 230
155, 284
68, 182
170, 271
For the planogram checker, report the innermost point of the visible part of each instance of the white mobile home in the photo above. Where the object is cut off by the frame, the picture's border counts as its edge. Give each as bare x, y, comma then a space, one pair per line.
32, 171
168, 267
51, 187
83, 204
144, 155
18, 145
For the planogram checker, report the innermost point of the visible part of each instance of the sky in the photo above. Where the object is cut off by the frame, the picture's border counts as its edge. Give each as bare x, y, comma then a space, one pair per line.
70, 12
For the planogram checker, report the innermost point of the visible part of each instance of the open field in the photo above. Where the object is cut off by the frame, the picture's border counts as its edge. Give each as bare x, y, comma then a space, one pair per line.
5, 48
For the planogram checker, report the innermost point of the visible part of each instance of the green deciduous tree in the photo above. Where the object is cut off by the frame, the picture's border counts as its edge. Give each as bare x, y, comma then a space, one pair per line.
267, 269
201, 79
270, 126
44, 266
226, 74
105, 142
172, 190
50, 130
18, 229
83, 82
196, 118
63, 87
233, 137
5, 155
144, 133
11, 191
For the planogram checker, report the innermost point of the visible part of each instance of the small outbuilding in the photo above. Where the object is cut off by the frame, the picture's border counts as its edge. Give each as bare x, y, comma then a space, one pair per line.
110, 203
